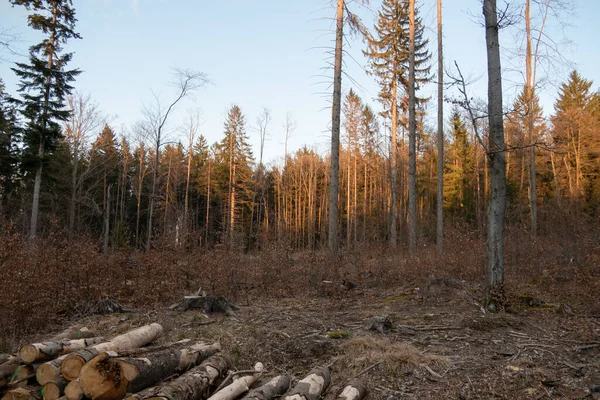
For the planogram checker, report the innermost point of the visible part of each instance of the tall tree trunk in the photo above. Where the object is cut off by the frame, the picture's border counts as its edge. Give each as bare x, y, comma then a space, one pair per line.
394, 168
412, 140
440, 139
335, 130
207, 221
496, 152
106, 221
152, 195
530, 90
38, 173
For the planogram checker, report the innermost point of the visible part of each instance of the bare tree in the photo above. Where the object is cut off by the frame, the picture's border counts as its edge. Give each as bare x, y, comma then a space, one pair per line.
440, 139
192, 125
85, 120
412, 138
336, 110
185, 81
263, 121
496, 153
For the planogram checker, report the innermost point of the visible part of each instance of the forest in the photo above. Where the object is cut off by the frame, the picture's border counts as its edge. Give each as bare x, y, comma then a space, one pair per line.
495, 193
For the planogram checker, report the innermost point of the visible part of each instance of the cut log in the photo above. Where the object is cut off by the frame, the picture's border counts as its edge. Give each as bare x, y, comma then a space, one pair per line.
274, 388
73, 390
73, 333
23, 393
239, 386
53, 390
22, 374
139, 337
4, 358
7, 370
208, 304
49, 371
31, 353
103, 378
193, 385
311, 387
354, 390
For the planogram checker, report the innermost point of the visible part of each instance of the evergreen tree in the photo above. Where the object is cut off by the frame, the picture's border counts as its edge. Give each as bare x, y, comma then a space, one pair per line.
234, 171
44, 85
577, 137
459, 193
9, 152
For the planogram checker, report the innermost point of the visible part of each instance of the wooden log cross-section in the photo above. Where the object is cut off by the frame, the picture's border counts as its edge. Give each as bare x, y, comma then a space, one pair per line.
31, 353
193, 385
54, 390
270, 390
311, 387
73, 390
354, 390
139, 337
105, 378
23, 393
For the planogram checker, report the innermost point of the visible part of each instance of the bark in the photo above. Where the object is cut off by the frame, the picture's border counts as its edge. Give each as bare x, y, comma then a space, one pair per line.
7, 369
335, 130
4, 358
495, 241
238, 386
53, 390
270, 390
354, 390
106, 221
22, 375
105, 378
73, 390
193, 385
311, 387
412, 140
440, 139
394, 168
48, 350
23, 393
139, 337
530, 89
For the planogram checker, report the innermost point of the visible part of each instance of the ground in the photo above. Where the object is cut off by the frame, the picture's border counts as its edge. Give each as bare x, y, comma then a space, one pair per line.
441, 344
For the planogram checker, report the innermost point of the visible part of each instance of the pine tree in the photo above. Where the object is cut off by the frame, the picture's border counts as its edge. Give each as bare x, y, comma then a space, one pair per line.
576, 136
9, 151
388, 53
459, 193
234, 171
44, 85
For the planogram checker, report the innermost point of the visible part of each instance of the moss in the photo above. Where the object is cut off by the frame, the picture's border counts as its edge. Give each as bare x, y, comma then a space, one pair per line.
338, 335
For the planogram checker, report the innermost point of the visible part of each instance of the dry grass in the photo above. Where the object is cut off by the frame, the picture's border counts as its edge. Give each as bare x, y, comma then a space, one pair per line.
396, 358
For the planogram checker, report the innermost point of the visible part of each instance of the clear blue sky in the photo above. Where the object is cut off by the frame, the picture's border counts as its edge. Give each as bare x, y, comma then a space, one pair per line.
267, 53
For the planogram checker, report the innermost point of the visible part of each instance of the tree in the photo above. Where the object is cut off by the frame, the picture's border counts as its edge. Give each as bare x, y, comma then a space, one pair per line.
185, 82
459, 194
234, 163
576, 135
494, 291
388, 54
352, 110
44, 85
440, 138
412, 138
9, 151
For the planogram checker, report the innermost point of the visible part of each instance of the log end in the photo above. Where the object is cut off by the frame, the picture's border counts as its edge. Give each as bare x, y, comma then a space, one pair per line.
102, 379
46, 373
51, 391
73, 390
28, 353
71, 367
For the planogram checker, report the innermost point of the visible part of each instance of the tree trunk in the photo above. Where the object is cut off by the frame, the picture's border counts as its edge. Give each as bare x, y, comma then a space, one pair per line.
73, 390
239, 386
530, 98
7, 369
495, 242
106, 221
412, 140
72, 364
152, 194
270, 390
394, 168
104, 378
23, 393
31, 353
311, 387
354, 390
193, 385
440, 140
335, 130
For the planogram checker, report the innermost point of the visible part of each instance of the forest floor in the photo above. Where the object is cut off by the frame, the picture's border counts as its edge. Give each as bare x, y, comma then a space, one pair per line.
441, 345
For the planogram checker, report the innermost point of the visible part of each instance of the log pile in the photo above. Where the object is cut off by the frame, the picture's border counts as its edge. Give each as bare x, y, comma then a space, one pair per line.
126, 367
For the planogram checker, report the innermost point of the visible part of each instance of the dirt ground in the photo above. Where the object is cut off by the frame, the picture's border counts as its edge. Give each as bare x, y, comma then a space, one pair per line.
440, 345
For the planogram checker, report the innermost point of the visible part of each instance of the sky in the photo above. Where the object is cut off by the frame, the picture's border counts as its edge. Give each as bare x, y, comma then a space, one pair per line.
274, 54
